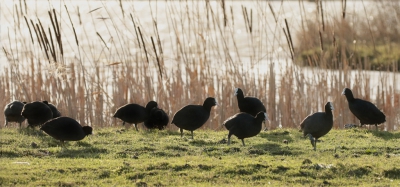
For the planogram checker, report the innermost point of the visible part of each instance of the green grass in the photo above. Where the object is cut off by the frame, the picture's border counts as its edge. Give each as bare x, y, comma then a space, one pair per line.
119, 157
381, 57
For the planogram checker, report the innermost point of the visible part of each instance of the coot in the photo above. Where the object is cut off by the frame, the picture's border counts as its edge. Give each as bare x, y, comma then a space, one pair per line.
134, 113
250, 105
192, 117
36, 113
12, 112
365, 111
54, 109
318, 124
66, 129
244, 125
157, 119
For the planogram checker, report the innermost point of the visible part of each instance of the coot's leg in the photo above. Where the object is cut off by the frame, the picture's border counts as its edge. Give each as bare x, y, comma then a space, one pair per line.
136, 127
229, 138
312, 140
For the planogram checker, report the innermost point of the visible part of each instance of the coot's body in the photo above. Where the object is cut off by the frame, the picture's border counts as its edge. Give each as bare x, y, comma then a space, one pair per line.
192, 117
134, 113
36, 113
54, 109
66, 129
244, 125
157, 119
318, 124
250, 105
365, 111
12, 112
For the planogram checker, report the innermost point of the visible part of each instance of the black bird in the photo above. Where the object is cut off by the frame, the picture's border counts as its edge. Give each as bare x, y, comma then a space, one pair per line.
365, 111
244, 125
36, 113
54, 109
134, 113
250, 105
66, 129
12, 112
157, 119
318, 124
192, 117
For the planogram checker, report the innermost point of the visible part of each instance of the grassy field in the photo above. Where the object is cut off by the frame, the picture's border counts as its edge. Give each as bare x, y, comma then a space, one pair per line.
125, 157
90, 57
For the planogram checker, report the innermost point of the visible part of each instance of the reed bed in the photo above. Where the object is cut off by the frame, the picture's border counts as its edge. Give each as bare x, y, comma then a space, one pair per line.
195, 50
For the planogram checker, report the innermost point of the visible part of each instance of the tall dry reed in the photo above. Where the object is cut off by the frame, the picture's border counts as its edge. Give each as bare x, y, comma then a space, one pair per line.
90, 68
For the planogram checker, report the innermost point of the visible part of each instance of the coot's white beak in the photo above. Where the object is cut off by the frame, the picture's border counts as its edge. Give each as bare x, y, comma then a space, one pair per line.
331, 106
266, 116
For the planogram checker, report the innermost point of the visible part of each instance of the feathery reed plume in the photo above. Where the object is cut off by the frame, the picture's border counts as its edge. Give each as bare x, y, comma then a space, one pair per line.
321, 41
344, 8
369, 26
144, 45
137, 35
289, 39
321, 11
273, 12
224, 12
158, 60
232, 17
122, 8
288, 43
72, 24
56, 29
101, 38
30, 32
95, 9
248, 21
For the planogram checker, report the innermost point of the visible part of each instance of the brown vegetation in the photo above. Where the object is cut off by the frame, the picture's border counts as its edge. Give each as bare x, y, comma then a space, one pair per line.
89, 74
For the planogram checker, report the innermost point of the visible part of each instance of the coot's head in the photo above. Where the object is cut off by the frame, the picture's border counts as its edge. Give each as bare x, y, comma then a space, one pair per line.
88, 130
347, 91
265, 116
328, 106
210, 101
30, 109
262, 115
151, 104
238, 91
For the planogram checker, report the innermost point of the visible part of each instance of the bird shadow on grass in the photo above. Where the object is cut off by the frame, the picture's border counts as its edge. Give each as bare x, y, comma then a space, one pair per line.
274, 149
9, 154
31, 132
81, 152
164, 132
72, 149
201, 143
386, 135
279, 136
283, 134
